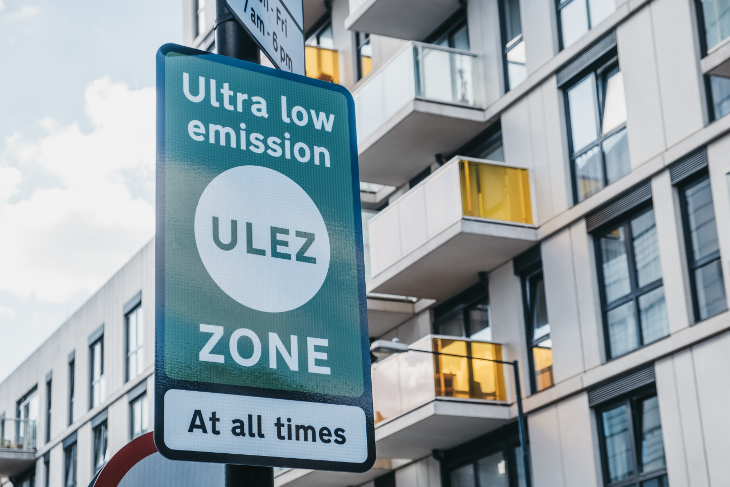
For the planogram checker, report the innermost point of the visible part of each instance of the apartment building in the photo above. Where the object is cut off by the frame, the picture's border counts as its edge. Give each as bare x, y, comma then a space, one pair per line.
542, 181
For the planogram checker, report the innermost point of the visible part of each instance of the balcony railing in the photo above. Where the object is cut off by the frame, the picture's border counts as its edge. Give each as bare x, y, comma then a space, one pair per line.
17, 434
422, 71
402, 382
495, 192
322, 63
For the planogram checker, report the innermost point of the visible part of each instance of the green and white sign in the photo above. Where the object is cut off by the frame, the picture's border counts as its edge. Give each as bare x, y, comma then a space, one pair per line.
262, 353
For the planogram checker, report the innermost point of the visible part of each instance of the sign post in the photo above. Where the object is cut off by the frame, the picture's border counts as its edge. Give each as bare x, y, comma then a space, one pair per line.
262, 353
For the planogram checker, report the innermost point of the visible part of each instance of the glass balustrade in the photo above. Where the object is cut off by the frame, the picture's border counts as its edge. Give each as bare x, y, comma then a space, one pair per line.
322, 63
423, 71
17, 434
404, 381
495, 192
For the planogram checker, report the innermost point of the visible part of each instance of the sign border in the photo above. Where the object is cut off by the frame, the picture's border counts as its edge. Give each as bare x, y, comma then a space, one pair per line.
163, 383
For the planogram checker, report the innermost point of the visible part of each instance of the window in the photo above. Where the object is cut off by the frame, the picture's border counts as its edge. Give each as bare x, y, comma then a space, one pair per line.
101, 449
135, 342
577, 17
139, 422
634, 312
514, 44
364, 55
599, 150
26, 410
538, 331
466, 315
632, 446
71, 390
703, 249
48, 410
498, 465
27, 480
47, 470
96, 361
716, 16
718, 93
69, 454
199, 26
322, 36
453, 33
486, 145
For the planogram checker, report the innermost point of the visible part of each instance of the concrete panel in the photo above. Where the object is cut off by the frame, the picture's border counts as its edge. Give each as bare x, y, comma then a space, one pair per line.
539, 32
562, 304
579, 457
671, 419
671, 252
589, 301
485, 40
84, 455
545, 448
413, 227
539, 160
712, 361
677, 62
516, 136
384, 241
384, 48
443, 199
344, 42
719, 166
641, 84
407, 476
554, 114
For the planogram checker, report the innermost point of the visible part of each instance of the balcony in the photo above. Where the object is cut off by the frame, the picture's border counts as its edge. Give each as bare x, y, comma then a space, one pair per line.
467, 217
403, 19
17, 446
321, 63
422, 102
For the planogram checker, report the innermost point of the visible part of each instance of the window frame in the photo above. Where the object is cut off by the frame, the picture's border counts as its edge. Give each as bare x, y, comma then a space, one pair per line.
693, 265
143, 395
506, 47
47, 470
462, 304
103, 429
527, 307
359, 44
70, 452
49, 410
560, 5
635, 293
139, 349
71, 390
597, 71
634, 416
97, 382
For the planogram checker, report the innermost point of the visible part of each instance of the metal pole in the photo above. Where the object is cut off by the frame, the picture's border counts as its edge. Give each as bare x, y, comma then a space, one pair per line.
231, 39
521, 424
245, 476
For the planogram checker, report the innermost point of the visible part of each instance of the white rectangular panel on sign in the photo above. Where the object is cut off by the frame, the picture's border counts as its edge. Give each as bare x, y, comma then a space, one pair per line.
223, 423
277, 26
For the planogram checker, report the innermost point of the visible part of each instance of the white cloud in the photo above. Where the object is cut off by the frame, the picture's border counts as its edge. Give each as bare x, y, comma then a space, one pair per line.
2, 4
7, 312
24, 12
72, 236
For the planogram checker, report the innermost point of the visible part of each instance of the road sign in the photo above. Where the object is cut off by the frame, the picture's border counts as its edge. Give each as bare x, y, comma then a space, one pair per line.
139, 464
262, 354
278, 28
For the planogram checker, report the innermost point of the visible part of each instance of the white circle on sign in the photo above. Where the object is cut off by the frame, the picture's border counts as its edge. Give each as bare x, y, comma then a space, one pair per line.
278, 257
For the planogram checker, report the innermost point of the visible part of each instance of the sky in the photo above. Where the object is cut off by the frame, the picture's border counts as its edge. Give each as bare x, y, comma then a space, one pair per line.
77, 154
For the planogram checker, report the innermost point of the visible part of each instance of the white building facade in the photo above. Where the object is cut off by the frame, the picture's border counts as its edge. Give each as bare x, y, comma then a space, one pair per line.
543, 182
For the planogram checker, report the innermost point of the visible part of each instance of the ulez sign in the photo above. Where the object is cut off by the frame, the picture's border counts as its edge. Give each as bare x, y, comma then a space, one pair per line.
261, 321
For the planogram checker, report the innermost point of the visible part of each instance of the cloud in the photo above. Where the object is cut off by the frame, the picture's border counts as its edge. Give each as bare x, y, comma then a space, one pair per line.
2, 4
72, 235
24, 12
7, 312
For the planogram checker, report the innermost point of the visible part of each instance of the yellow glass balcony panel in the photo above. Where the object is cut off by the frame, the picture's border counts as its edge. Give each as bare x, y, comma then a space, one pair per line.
366, 65
542, 359
321, 63
468, 378
495, 192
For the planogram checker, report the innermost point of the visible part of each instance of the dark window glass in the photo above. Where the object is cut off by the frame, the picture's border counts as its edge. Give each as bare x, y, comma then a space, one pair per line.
716, 17
364, 55
199, 11
96, 369
101, 449
719, 94
487, 145
322, 37
513, 43
472, 320
47, 471
49, 403
632, 445
71, 390
501, 468
538, 332
576, 17
632, 291
139, 416
598, 144
135, 343
703, 250
455, 35
70, 466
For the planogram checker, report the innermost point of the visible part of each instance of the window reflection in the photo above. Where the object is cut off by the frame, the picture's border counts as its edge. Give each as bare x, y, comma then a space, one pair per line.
577, 17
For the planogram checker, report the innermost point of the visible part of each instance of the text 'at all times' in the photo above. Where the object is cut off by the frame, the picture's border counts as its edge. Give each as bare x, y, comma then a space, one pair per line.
258, 106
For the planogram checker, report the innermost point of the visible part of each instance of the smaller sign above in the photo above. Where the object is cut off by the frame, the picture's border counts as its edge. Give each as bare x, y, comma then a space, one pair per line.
277, 27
